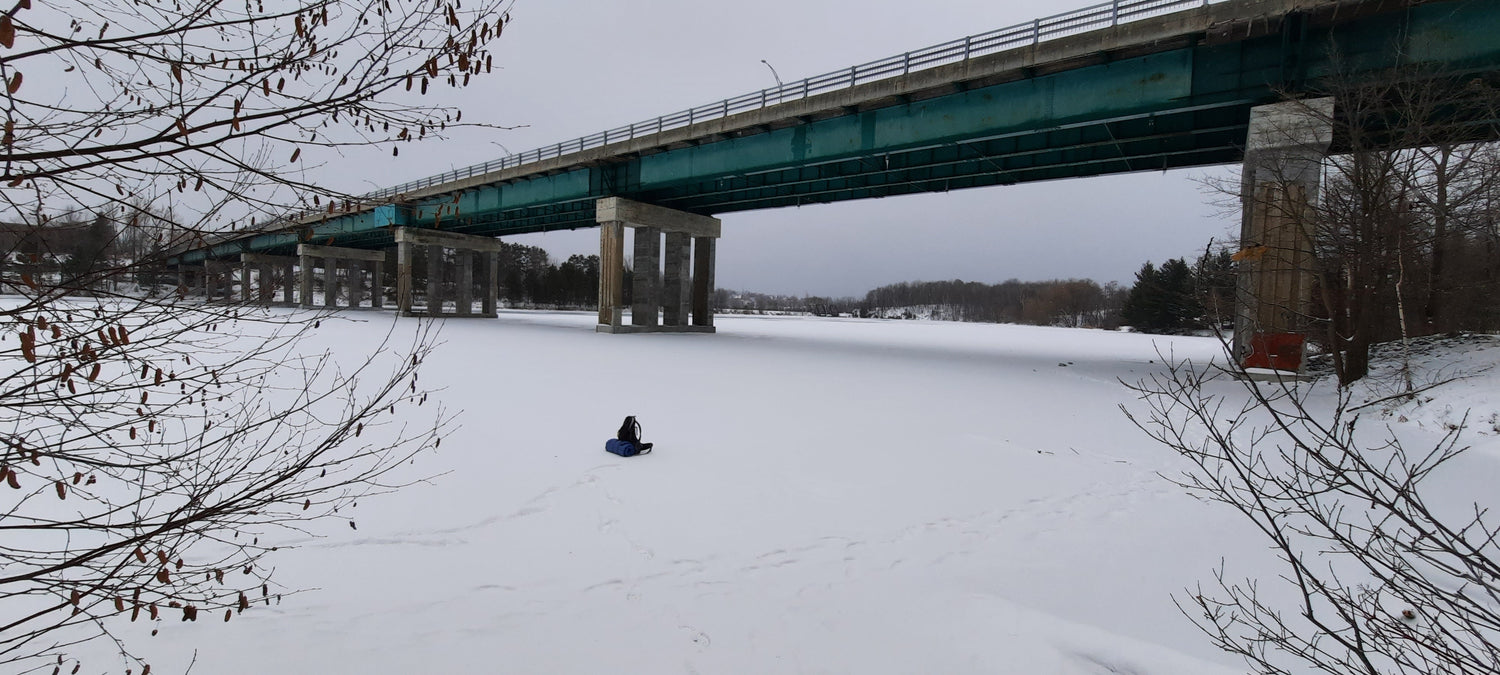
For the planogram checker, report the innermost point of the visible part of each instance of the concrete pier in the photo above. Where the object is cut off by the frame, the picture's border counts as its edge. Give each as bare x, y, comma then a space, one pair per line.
679, 300
1285, 148
218, 281
269, 270
465, 248
355, 261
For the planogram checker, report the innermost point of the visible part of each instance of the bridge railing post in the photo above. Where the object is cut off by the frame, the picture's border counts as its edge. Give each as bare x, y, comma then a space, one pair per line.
1036, 31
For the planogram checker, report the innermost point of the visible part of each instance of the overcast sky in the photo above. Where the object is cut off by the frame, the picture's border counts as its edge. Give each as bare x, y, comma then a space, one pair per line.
567, 68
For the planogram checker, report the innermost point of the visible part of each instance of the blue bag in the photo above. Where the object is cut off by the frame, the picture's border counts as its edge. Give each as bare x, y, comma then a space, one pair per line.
621, 448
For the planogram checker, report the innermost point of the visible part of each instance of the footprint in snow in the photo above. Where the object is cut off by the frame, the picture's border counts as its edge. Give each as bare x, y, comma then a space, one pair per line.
698, 637
527, 511
605, 584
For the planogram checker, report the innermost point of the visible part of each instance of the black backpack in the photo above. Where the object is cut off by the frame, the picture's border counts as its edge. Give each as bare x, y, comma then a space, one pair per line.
630, 435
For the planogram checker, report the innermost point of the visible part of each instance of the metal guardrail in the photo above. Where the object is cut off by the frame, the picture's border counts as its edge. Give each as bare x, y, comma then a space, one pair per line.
1058, 25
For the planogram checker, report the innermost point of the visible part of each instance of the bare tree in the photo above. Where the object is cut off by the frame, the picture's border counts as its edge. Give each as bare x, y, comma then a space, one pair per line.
149, 450
151, 445
116, 101
1376, 579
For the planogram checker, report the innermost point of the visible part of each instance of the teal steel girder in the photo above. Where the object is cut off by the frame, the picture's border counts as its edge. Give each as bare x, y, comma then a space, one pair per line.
1182, 107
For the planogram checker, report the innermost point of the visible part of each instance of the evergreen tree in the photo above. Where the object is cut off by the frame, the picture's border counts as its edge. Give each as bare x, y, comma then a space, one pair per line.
1164, 300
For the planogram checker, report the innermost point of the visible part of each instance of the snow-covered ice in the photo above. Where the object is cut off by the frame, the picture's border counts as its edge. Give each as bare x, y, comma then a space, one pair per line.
825, 496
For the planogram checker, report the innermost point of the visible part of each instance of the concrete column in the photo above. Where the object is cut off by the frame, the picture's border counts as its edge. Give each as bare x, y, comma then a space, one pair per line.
434, 280
377, 285
492, 286
611, 272
209, 284
646, 280
677, 279
288, 282
355, 269
465, 305
304, 281
703, 281
265, 284
404, 281
1286, 145
182, 279
330, 282
403, 277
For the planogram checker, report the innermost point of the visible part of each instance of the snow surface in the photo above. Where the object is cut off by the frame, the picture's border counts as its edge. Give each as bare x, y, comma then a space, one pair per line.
826, 496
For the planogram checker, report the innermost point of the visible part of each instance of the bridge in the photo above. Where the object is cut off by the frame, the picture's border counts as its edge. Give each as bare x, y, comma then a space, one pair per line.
1132, 85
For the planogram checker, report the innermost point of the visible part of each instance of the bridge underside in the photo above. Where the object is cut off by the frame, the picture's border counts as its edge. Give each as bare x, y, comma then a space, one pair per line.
1152, 143
1151, 106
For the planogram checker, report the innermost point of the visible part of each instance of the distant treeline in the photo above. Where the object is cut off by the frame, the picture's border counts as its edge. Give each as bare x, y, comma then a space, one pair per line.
1176, 297
1079, 303
1065, 302
528, 278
